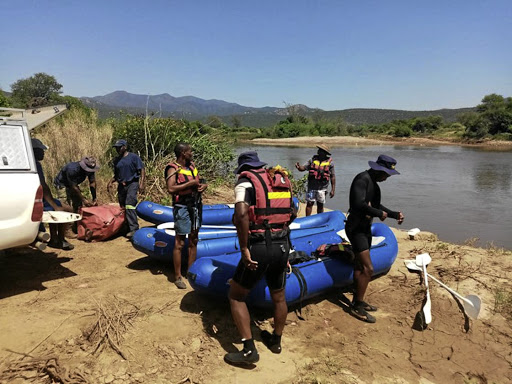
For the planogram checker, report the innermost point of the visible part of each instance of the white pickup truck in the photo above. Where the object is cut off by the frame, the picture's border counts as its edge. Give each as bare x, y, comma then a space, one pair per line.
21, 194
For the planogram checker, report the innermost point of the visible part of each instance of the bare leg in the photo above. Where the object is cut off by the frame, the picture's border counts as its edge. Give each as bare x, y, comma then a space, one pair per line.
280, 311
362, 278
239, 311
309, 207
319, 207
192, 247
179, 243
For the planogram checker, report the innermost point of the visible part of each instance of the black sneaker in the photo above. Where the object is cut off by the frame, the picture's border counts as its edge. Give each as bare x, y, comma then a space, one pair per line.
242, 357
271, 341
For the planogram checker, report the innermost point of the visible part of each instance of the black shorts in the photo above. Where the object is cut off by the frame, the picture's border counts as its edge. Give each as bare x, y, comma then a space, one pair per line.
273, 266
361, 240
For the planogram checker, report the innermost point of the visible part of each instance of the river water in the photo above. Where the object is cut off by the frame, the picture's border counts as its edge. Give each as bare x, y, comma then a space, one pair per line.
459, 193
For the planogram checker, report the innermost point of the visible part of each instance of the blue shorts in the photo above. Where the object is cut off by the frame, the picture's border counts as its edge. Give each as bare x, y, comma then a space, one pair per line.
186, 219
48, 207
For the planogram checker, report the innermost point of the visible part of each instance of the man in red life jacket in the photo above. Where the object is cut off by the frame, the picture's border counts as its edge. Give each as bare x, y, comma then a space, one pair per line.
263, 211
321, 172
184, 184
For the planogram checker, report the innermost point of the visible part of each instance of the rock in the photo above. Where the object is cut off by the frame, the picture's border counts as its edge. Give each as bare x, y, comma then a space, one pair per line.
109, 378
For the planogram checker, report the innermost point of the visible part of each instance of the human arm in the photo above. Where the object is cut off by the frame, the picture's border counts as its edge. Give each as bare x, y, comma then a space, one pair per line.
301, 168
92, 187
398, 216
358, 199
109, 185
142, 181
241, 221
173, 187
333, 186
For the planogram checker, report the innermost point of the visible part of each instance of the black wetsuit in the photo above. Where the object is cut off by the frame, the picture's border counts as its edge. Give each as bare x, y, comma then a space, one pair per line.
364, 206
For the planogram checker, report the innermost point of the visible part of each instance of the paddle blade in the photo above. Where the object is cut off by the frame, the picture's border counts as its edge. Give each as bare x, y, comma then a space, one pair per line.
472, 310
423, 259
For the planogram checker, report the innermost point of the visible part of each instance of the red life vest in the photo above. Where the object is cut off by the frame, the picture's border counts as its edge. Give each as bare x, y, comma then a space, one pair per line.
183, 175
273, 208
320, 169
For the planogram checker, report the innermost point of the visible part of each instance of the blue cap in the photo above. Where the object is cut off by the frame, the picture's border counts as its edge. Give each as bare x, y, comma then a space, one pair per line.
120, 143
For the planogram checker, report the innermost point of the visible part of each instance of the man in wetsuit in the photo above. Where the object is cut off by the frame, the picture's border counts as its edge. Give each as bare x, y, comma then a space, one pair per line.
183, 182
129, 173
365, 204
263, 211
321, 172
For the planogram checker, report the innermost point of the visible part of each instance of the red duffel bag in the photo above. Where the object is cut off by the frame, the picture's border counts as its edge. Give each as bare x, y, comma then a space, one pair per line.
100, 223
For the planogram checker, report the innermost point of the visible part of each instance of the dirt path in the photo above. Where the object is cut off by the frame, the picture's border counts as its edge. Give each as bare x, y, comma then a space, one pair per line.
51, 301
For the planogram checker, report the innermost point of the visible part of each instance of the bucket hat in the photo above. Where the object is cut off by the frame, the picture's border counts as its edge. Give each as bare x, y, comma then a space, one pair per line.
89, 164
249, 158
36, 143
324, 148
384, 163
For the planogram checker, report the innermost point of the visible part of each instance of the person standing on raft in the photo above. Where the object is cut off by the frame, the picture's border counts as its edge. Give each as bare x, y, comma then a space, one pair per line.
321, 172
365, 204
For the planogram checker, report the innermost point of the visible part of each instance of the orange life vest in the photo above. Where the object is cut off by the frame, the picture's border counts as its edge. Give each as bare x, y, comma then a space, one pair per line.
273, 208
320, 169
183, 175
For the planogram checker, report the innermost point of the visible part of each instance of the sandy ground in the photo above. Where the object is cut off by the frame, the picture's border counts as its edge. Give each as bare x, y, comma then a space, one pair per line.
105, 313
333, 141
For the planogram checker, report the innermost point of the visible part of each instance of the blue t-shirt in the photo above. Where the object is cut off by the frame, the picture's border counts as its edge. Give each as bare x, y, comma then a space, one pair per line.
72, 174
127, 168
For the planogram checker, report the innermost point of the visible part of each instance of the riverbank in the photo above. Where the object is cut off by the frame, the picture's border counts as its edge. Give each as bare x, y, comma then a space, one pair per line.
51, 301
333, 141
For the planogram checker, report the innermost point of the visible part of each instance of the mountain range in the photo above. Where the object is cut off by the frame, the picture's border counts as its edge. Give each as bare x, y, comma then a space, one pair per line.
194, 108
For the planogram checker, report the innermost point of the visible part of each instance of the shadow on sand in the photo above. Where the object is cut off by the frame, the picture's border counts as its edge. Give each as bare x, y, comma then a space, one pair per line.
25, 269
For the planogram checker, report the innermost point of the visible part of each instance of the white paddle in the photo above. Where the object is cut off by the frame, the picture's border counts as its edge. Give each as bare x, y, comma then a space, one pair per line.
471, 303
423, 260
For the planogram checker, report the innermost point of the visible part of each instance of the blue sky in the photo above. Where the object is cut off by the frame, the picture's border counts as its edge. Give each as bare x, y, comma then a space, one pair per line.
325, 54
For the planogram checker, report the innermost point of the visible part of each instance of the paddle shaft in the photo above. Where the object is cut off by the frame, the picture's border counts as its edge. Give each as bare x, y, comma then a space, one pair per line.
450, 290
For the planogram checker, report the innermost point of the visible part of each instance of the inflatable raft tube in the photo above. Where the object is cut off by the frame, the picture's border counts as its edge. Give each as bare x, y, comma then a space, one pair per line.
159, 243
217, 214
210, 275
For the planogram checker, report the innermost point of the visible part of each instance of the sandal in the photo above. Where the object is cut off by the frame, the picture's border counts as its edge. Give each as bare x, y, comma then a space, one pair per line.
368, 307
360, 313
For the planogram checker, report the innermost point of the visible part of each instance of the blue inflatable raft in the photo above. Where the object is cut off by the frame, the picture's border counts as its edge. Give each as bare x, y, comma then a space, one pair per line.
159, 243
217, 214
210, 275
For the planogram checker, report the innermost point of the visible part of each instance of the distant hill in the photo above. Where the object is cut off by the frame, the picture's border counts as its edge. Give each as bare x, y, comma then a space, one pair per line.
194, 108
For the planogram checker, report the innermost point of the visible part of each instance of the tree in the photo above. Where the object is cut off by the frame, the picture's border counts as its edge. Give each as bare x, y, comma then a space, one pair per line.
4, 100
236, 121
214, 121
496, 110
36, 90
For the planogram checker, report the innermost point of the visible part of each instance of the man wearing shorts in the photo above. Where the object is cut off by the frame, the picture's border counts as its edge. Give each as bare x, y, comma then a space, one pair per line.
365, 204
184, 184
321, 172
263, 211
